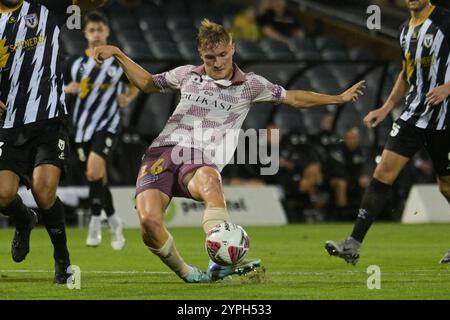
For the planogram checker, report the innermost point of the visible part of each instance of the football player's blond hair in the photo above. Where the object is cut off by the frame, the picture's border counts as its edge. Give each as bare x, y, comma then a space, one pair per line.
211, 34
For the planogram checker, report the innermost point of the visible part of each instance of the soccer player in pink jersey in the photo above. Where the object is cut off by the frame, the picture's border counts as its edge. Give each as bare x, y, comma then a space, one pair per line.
214, 96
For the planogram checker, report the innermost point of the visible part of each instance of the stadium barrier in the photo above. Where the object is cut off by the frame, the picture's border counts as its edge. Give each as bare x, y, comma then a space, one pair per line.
426, 204
247, 206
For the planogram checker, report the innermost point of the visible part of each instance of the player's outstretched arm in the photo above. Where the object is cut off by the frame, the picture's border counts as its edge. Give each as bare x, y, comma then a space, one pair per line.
373, 118
308, 99
137, 75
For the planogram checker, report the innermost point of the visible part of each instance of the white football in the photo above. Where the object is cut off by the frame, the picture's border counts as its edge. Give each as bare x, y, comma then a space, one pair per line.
227, 244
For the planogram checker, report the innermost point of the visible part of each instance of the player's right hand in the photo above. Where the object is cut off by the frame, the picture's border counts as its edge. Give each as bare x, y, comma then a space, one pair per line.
374, 117
2, 107
102, 53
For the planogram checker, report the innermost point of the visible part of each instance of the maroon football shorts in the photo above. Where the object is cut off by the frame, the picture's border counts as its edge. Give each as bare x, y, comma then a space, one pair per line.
164, 168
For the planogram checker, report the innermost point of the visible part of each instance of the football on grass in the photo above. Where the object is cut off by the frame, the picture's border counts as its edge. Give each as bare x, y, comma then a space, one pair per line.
227, 244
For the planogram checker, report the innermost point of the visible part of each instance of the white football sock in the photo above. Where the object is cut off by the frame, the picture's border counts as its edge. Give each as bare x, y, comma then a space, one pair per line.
213, 217
114, 222
170, 256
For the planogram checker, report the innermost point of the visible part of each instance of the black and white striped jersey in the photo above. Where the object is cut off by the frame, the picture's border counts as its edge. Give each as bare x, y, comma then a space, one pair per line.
426, 57
96, 108
31, 77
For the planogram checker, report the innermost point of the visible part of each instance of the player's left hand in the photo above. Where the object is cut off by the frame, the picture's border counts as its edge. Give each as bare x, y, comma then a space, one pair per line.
353, 93
436, 95
123, 100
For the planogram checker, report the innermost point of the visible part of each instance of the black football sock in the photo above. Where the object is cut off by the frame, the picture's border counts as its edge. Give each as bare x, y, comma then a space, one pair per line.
108, 204
96, 196
17, 211
372, 203
55, 224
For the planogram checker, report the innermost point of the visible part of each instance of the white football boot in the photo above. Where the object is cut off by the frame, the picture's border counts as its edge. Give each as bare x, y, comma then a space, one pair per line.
217, 272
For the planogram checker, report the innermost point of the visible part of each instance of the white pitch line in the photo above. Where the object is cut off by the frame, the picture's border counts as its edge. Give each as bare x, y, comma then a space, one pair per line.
287, 273
86, 271
412, 273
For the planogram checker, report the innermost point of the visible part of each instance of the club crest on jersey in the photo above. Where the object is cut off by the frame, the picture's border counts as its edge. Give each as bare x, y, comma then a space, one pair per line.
112, 71
428, 40
61, 144
31, 20
108, 142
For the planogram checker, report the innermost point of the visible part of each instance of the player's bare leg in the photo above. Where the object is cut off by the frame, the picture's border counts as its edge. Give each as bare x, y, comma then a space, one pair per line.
11, 205
9, 185
205, 184
372, 203
444, 188
151, 206
44, 183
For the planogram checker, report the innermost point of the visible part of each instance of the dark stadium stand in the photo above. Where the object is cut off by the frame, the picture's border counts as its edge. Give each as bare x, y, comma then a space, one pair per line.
248, 51
276, 50
188, 50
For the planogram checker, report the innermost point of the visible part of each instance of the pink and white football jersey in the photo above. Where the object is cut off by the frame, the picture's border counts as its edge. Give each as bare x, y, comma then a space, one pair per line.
210, 113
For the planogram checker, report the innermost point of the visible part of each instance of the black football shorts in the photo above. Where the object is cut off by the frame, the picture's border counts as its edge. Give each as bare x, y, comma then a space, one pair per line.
406, 139
24, 148
102, 143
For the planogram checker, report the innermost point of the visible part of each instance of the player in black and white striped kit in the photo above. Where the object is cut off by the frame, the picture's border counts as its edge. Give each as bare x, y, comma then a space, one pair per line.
101, 91
33, 132
425, 122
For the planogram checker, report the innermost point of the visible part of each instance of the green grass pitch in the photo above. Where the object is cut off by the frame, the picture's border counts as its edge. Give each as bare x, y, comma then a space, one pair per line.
296, 266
